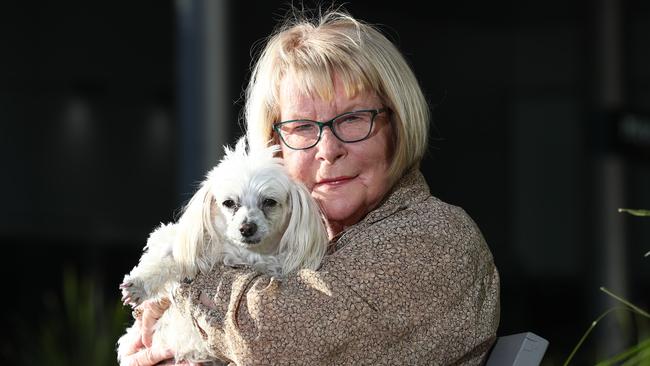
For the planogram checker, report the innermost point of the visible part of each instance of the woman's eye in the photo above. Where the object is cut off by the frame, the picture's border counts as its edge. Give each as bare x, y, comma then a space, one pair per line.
268, 202
228, 203
353, 118
304, 127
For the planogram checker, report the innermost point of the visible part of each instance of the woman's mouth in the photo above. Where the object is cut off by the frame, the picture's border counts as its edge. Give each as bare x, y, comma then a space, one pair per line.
335, 181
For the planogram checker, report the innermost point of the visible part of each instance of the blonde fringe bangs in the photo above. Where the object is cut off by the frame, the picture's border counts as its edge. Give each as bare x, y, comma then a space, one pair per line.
314, 57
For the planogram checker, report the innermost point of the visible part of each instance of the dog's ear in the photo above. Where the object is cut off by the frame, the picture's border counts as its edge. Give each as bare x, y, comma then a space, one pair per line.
195, 230
305, 240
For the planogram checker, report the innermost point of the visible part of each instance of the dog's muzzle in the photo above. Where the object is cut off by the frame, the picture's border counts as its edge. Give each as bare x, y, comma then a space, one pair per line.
248, 229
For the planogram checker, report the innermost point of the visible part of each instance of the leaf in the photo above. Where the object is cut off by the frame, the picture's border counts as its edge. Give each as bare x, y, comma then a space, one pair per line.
635, 308
635, 212
586, 334
632, 355
628, 307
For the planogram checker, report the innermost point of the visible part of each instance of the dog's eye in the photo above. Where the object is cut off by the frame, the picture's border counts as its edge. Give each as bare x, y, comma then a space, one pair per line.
228, 203
268, 202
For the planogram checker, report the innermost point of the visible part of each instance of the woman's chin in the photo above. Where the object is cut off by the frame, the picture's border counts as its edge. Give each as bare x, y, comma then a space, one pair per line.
344, 204
340, 210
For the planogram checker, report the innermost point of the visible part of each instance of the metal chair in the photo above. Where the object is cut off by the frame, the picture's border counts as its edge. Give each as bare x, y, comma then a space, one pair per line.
522, 349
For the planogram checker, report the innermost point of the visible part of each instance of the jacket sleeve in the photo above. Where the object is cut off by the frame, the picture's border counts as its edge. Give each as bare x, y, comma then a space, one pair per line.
394, 293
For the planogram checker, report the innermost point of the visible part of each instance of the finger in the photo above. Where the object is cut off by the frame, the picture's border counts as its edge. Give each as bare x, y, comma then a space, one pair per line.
135, 341
148, 357
137, 313
171, 362
152, 311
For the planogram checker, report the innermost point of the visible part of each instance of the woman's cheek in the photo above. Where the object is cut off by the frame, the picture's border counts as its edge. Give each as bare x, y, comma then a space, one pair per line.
300, 169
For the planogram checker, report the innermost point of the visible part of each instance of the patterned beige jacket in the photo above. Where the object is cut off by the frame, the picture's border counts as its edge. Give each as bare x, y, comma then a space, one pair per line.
413, 283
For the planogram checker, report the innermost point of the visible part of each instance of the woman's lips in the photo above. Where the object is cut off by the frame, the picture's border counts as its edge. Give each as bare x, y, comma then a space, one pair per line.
336, 181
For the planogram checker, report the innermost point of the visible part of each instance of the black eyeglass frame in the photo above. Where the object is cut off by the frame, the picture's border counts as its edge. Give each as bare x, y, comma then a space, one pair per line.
330, 123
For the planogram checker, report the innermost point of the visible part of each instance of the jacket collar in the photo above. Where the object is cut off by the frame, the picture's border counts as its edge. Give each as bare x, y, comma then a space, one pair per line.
411, 188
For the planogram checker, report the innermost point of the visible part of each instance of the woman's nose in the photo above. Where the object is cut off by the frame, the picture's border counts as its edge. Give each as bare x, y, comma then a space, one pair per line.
329, 148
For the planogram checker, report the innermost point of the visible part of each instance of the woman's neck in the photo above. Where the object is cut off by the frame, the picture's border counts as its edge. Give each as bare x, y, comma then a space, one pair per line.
334, 229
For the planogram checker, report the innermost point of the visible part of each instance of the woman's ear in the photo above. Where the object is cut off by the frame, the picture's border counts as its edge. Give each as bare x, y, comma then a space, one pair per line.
305, 240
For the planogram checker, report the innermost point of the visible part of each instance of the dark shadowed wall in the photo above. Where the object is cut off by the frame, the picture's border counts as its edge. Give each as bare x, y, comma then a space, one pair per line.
96, 107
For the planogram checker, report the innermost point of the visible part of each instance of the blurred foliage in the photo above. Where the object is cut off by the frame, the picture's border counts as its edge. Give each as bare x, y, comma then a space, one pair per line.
635, 212
639, 353
78, 326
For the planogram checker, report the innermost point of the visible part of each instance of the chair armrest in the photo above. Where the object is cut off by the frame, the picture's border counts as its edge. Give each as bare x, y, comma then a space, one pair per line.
523, 349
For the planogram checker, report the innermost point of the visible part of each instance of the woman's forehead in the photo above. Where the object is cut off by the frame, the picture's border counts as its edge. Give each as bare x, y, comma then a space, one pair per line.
321, 85
297, 102
303, 90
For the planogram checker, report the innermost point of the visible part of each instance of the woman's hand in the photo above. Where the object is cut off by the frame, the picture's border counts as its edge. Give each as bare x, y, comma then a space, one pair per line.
138, 355
140, 352
151, 311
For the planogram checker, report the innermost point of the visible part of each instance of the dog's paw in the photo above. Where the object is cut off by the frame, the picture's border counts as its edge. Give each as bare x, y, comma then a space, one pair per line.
133, 291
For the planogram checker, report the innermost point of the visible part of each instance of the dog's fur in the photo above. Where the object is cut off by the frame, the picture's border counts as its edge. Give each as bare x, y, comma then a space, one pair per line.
247, 212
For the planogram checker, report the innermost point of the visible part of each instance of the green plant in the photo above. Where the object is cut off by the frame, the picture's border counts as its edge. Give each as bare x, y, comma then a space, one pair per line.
79, 327
638, 354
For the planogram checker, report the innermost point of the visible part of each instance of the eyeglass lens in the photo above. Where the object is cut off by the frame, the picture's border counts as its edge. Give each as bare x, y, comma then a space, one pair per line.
349, 127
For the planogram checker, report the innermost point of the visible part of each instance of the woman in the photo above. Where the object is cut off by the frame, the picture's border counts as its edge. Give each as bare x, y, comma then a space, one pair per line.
409, 279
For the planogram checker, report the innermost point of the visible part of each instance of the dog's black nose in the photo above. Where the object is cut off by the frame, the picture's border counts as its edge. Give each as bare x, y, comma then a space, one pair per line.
247, 229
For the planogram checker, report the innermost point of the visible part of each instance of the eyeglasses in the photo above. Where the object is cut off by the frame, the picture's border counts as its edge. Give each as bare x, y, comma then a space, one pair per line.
302, 134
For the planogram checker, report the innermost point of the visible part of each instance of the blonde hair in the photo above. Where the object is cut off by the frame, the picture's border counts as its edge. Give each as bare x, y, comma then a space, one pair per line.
335, 43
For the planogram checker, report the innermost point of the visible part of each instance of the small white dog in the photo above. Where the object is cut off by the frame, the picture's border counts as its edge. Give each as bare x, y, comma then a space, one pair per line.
247, 212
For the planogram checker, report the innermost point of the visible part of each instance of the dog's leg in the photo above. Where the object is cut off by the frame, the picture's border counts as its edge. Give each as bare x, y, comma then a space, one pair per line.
157, 268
